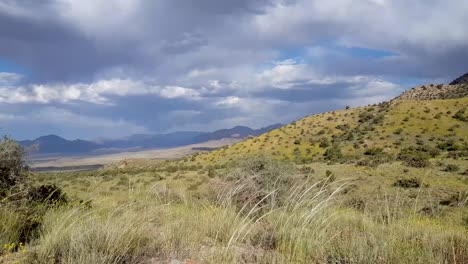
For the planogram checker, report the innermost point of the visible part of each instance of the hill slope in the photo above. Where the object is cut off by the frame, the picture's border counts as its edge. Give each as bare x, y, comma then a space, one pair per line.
428, 118
461, 80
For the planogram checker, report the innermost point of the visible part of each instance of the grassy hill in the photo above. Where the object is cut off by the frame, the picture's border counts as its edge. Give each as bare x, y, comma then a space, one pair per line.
351, 134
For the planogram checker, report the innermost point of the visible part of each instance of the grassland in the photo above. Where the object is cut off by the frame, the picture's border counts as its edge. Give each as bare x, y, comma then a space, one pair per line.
261, 211
379, 184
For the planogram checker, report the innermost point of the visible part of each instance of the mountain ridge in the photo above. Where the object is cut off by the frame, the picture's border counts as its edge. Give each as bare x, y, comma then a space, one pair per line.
53, 144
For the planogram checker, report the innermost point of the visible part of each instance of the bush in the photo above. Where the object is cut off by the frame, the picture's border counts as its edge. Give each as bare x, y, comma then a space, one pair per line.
333, 153
416, 157
460, 115
324, 142
398, 131
13, 167
260, 175
452, 168
47, 194
23, 207
448, 145
408, 183
373, 151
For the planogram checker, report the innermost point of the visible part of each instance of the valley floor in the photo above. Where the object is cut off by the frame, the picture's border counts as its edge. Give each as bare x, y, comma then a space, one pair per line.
58, 162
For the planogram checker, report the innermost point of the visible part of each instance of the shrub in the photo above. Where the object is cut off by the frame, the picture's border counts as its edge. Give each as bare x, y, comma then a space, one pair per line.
13, 167
324, 142
408, 183
398, 131
417, 157
448, 145
260, 175
460, 115
47, 194
452, 168
211, 172
373, 151
366, 116
333, 153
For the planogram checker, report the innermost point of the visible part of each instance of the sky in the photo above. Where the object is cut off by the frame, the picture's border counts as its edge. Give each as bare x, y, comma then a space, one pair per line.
112, 68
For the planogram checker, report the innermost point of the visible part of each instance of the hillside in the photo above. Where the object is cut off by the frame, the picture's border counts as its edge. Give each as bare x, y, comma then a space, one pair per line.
432, 117
461, 80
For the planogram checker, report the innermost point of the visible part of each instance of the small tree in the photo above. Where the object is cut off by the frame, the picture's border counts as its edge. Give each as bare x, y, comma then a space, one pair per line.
12, 164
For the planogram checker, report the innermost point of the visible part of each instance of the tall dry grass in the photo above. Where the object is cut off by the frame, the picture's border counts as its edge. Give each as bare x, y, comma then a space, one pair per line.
261, 215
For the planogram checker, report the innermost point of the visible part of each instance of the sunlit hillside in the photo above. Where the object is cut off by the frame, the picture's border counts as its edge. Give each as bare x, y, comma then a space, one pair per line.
354, 133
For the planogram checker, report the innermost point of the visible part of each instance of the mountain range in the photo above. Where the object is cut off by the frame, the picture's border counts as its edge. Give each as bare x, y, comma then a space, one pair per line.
53, 144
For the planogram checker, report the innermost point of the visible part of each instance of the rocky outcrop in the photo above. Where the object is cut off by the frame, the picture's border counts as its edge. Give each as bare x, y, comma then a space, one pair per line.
434, 92
460, 80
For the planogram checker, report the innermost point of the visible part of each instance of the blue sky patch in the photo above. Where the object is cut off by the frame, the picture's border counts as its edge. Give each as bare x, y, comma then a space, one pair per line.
8, 66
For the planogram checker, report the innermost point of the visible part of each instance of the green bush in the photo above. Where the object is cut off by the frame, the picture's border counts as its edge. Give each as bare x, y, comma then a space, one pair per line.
333, 153
460, 115
417, 157
13, 167
448, 145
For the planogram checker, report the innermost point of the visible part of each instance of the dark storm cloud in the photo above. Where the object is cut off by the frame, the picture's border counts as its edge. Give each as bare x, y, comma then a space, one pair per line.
117, 67
71, 40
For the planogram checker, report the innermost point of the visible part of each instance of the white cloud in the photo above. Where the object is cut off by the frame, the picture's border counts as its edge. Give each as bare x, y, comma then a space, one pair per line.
178, 92
368, 87
97, 92
392, 25
8, 78
229, 101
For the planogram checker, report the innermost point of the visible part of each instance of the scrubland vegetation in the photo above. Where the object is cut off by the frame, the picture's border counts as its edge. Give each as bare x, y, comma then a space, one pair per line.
372, 135
386, 183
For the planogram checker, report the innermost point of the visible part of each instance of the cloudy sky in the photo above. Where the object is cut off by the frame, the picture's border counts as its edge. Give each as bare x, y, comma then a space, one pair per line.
111, 68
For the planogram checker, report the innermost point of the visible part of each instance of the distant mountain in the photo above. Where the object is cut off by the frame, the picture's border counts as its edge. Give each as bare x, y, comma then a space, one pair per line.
53, 144
461, 80
235, 132
145, 141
